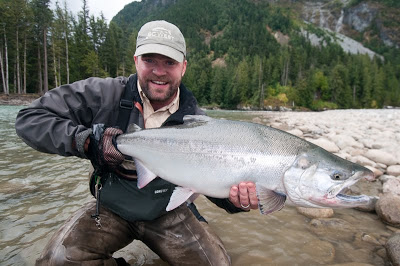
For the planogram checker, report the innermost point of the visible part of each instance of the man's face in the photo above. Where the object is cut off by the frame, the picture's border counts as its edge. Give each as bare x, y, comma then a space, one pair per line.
159, 76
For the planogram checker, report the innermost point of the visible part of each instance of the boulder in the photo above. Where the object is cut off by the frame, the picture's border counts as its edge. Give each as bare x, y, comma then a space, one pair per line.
388, 207
393, 249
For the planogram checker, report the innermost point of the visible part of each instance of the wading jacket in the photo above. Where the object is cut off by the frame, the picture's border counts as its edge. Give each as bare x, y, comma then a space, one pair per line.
52, 123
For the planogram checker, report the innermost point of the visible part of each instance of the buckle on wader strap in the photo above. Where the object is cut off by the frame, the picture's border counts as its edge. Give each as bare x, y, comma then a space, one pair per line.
98, 186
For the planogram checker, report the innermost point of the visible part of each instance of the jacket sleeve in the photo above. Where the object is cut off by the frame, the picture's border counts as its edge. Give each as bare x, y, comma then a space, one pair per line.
51, 123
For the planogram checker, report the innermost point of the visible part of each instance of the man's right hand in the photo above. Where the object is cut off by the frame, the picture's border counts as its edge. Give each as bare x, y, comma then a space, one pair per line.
101, 149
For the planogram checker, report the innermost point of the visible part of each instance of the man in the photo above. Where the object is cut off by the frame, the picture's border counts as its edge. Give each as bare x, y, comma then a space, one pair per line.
84, 118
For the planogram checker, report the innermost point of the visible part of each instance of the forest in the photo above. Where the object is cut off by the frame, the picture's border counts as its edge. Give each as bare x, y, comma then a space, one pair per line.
234, 61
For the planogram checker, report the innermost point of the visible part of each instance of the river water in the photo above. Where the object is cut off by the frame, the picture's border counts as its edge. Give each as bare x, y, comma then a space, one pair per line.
38, 192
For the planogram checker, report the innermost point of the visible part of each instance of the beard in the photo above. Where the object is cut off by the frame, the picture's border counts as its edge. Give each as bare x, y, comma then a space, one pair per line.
158, 94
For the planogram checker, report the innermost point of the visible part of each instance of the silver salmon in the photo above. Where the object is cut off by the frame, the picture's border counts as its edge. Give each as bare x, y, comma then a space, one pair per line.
207, 156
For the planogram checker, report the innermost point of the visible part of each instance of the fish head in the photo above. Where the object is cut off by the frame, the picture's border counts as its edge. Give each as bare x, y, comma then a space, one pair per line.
317, 178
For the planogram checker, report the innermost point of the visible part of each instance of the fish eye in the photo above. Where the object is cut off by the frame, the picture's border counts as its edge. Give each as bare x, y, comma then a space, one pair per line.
336, 176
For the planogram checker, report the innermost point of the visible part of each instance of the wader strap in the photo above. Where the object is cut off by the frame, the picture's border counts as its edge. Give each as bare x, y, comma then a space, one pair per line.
126, 104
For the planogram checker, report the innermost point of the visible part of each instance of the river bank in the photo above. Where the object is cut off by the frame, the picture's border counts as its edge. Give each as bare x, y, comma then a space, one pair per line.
18, 99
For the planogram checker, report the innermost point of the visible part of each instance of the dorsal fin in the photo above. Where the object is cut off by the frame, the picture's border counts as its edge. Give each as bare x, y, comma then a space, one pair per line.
196, 120
133, 128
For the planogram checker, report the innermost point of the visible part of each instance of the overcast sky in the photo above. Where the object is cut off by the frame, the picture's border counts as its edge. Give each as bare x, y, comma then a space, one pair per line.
109, 7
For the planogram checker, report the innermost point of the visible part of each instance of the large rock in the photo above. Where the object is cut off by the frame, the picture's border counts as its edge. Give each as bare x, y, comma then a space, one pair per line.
388, 207
393, 249
380, 156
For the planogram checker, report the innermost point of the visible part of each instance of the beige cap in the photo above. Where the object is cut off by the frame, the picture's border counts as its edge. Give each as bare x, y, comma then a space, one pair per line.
161, 37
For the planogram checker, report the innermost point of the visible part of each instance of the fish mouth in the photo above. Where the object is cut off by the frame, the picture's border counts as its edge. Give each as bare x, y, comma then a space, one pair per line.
336, 192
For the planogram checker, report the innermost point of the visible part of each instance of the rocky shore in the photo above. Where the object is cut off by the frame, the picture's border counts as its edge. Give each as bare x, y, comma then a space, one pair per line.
368, 137
17, 99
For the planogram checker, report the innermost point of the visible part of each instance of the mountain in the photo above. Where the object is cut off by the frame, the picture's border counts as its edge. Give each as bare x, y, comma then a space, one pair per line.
253, 53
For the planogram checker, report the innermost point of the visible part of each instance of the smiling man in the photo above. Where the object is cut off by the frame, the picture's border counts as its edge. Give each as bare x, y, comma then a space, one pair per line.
70, 121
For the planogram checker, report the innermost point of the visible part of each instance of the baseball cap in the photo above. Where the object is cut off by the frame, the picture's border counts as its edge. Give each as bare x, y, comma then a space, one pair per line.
161, 37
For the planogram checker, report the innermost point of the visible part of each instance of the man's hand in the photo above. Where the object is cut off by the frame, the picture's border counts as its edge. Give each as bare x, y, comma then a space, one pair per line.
101, 149
244, 196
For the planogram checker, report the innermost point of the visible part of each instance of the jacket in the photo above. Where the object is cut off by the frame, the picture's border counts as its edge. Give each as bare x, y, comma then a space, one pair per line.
52, 123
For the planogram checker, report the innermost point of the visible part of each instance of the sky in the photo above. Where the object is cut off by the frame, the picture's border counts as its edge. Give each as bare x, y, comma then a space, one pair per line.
109, 7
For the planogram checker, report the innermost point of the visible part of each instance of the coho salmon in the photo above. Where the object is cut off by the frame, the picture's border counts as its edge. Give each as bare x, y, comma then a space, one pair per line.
207, 156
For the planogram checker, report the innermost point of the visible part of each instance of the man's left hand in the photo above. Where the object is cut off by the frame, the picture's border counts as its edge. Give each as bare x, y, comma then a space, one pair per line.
244, 196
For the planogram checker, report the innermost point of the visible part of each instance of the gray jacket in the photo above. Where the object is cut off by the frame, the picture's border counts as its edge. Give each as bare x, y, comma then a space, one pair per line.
56, 122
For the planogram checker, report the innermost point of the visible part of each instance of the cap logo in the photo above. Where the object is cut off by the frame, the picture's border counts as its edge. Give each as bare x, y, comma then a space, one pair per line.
160, 33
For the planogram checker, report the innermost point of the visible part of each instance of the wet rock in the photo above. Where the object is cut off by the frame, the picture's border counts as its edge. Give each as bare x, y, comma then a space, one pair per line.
393, 249
388, 207
393, 170
380, 156
333, 228
315, 213
323, 251
392, 186
325, 144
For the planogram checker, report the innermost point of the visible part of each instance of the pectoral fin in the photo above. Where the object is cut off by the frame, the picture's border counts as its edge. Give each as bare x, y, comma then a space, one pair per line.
179, 196
269, 201
144, 175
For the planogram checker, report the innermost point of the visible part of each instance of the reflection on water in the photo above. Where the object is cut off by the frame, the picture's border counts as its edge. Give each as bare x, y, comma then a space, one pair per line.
38, 192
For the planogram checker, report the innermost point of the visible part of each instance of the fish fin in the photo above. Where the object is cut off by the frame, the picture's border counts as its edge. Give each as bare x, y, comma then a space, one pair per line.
179, 196
133, 128
144, 175
269, 201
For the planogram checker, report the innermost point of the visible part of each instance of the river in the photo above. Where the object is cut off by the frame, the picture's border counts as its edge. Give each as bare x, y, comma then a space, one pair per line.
38, 192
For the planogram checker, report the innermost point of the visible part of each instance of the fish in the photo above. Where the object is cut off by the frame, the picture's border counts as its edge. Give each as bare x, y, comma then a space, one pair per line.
207, 156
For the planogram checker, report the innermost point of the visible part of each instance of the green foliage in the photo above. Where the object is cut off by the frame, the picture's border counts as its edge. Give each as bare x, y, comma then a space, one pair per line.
255, 68
319, 105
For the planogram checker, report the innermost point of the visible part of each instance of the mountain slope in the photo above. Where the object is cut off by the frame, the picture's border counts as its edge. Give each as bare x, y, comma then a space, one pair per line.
256, 52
